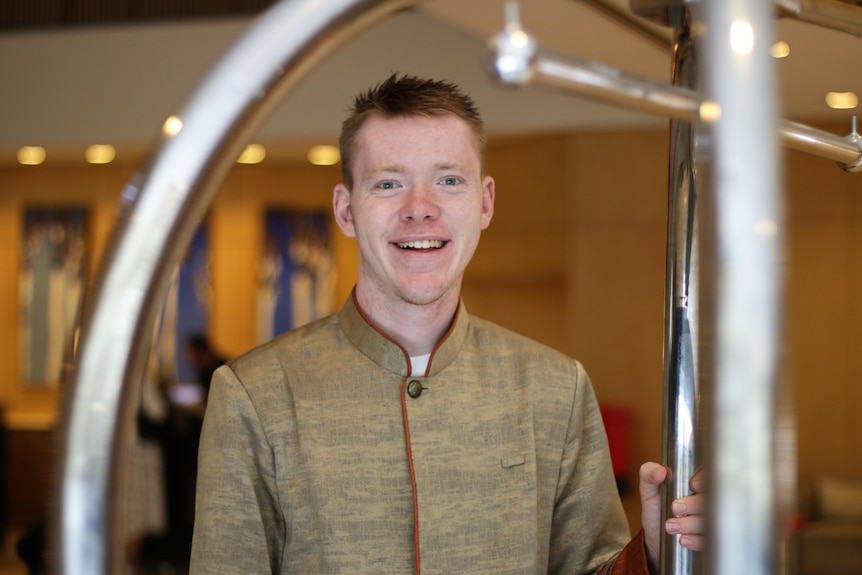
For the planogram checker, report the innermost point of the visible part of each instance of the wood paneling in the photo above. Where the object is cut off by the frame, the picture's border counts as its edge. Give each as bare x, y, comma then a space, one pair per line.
824, 310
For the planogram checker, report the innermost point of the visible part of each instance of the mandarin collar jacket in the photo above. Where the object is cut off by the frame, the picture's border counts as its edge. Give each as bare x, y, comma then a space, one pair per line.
316, 457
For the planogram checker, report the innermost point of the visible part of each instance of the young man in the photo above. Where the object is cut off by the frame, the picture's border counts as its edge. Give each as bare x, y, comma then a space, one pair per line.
402, 435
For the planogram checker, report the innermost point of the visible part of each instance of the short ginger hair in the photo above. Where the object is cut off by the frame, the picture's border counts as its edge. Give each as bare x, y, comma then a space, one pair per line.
403, 95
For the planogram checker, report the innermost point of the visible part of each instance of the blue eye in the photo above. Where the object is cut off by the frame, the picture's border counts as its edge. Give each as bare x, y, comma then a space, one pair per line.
386, 185
451, 181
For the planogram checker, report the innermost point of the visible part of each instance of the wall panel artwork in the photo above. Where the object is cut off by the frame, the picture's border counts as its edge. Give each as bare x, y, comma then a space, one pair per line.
52, 281
296, 280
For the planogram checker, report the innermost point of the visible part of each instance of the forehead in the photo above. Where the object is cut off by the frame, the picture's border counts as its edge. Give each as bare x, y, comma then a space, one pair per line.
406, 136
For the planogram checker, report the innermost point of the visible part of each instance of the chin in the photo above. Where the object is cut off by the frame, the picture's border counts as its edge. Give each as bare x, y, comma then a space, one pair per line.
420, 299
425, 296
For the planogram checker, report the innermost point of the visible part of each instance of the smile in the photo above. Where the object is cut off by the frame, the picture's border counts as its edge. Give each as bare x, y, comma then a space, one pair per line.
421, 245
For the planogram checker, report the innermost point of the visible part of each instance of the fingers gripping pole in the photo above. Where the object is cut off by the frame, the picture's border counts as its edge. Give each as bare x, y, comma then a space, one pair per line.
161, 207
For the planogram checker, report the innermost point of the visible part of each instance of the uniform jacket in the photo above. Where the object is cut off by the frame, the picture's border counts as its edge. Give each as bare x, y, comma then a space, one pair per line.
320, 454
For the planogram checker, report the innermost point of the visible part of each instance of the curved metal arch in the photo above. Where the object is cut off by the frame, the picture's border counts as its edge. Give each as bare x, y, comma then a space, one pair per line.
161, 207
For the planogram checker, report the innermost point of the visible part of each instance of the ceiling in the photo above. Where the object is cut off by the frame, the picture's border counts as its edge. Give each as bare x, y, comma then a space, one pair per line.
70, 82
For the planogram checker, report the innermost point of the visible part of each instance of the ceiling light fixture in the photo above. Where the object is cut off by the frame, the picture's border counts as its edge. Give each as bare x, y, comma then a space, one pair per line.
324, 155
172, 126
842, 100
780, 49
31, 155
100, 154
252, 154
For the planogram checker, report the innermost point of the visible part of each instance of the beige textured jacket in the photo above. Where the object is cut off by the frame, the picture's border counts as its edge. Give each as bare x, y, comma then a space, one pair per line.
321, 455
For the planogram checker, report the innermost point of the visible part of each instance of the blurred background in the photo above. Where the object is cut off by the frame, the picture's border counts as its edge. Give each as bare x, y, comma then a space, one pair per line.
575, 256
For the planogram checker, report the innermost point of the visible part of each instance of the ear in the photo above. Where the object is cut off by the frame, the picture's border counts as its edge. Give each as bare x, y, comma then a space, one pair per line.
341, 209
487, 201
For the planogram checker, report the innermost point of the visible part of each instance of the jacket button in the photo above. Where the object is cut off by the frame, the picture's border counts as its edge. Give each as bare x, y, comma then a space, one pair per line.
414, 388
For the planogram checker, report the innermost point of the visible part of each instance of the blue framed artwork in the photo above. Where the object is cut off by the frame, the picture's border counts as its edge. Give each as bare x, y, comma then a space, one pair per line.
194, 299
185, 312
52, 282
296, 279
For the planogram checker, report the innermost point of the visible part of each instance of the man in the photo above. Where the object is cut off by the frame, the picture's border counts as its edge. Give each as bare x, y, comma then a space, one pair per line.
402, 435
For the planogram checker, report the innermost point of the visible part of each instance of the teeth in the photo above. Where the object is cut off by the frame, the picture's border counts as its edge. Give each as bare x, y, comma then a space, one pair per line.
421, 245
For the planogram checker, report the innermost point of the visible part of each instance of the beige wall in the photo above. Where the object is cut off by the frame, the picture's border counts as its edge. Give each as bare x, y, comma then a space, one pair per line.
824, 316
575, 257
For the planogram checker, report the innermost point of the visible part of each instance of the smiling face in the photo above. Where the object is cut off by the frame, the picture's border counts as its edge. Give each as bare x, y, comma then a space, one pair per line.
418, 205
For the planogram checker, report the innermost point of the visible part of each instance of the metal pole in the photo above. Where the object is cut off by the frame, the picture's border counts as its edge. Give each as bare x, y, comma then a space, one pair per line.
629, 21
743, 236
161, 207
585, 78
517, 59
846, 151
680, 451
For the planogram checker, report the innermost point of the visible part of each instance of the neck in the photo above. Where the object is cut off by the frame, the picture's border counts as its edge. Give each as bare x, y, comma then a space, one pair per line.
416, 327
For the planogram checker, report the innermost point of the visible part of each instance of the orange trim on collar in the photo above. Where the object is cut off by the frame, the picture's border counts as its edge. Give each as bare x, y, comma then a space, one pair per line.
412, 472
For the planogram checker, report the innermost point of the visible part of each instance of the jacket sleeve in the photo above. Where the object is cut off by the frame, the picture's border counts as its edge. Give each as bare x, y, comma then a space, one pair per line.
589, 528
632, 560
238, 524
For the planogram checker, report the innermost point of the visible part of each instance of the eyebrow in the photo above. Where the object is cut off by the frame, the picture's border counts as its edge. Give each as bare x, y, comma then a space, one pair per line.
387, 169
449, 166
400, 169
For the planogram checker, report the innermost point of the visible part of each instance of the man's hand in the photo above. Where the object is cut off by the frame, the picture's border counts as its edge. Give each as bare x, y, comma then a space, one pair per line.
687, 512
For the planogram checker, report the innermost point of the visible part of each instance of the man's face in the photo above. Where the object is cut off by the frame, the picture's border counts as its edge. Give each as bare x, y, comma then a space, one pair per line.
418, 205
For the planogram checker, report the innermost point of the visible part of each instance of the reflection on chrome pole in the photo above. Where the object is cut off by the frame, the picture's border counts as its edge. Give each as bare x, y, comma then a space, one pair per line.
681, 398
681, 437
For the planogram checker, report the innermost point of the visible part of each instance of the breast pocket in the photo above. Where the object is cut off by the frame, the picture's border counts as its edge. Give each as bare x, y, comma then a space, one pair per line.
511, 461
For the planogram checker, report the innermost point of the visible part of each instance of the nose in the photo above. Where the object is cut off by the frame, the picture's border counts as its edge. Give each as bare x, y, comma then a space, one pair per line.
420, 204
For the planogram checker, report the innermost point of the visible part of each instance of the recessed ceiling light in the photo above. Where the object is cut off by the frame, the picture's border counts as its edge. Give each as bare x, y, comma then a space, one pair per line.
100, 154
172, 126
842, 100
252, 154
31, 155
780, 49
324, 155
